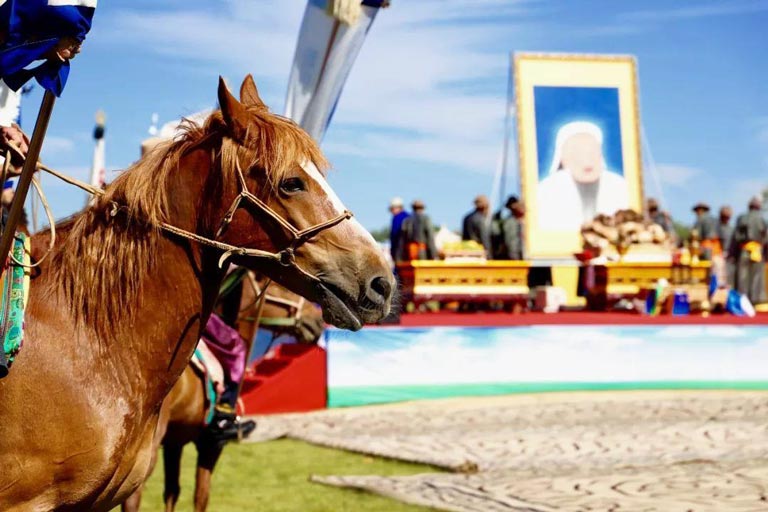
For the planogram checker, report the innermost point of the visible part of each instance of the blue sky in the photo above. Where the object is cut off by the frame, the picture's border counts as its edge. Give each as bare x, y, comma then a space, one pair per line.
422, 112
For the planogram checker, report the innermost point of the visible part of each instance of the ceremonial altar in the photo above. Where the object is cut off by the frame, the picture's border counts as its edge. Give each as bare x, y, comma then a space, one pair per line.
466, 281
608, 282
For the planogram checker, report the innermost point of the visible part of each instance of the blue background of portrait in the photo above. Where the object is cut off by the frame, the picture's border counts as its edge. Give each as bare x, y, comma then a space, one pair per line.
556, 106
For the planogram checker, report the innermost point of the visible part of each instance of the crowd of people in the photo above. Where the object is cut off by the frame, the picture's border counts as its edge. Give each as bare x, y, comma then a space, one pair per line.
412, 235
737, 249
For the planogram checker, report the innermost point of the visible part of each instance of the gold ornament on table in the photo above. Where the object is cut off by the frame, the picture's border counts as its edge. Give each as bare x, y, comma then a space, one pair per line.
694, 246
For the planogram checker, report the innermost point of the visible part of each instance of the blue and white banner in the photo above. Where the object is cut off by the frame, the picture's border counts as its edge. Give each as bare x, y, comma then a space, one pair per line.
325, 52
391, 364
33, 30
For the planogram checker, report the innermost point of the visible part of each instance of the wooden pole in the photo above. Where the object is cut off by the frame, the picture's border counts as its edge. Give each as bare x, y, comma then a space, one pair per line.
27, 172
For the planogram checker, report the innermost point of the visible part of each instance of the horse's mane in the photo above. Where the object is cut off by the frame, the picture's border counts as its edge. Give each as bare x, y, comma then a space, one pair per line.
101, 262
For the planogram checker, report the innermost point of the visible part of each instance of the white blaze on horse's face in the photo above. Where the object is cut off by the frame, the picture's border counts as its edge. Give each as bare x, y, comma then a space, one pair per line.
336, 203
356, 285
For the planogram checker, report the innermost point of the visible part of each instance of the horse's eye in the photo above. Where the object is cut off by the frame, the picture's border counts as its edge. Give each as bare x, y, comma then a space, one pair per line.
292, 185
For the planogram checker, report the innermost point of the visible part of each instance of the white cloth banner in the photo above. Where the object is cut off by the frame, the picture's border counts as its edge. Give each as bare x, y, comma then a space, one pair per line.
325, 53
10, 103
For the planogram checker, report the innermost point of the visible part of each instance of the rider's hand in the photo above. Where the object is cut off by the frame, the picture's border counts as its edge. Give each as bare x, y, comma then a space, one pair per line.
65, 50
12, 135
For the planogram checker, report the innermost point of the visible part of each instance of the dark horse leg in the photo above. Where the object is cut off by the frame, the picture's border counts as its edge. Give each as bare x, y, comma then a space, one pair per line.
208, 452
172, 462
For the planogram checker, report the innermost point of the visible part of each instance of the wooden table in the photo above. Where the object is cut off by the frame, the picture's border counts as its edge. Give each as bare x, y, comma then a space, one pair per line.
464, 281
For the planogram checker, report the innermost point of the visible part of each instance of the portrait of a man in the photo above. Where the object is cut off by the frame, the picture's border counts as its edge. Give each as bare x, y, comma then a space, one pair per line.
578, 139
581, 173
579, 184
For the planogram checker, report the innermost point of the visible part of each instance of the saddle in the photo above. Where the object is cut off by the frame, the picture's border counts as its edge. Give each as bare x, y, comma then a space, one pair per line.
14, 292
209, 368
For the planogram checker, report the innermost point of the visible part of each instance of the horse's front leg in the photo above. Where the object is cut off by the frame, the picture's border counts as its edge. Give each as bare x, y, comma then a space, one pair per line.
208, 453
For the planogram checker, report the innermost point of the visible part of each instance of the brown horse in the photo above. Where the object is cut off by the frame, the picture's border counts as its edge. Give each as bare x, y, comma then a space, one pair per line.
184, 409
114, 316
284, 311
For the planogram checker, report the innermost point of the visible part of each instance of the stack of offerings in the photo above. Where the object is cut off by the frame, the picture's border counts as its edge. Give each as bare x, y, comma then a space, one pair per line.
626, 235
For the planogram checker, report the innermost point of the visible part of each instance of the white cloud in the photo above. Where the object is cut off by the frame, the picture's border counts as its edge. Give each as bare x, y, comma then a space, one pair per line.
676, 175
410, 81
55, 145
699, 10
762, 138
762, 130
740, 191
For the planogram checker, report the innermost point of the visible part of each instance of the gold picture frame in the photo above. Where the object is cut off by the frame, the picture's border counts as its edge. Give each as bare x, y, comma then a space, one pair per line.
578, 140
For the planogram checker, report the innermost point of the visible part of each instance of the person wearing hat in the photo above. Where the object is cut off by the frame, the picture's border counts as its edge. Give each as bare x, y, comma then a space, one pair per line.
507, 231
417, 237
398, 217
725, 235
476, 225
656, 216
513, 229
706, 228
749, 236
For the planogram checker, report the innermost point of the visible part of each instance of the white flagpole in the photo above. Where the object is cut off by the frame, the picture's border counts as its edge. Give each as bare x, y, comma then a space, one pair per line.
98, 167
507, 132
499, 188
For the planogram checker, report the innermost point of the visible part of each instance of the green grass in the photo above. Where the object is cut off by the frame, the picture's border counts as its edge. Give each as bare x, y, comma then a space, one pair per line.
274, 477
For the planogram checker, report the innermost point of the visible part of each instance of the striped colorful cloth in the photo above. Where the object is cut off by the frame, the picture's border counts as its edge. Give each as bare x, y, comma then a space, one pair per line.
14, 287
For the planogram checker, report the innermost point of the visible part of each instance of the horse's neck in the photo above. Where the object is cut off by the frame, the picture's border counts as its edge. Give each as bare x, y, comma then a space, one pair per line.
176, 298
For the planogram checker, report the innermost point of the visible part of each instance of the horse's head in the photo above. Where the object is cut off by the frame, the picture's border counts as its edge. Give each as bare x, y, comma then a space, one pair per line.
281, 203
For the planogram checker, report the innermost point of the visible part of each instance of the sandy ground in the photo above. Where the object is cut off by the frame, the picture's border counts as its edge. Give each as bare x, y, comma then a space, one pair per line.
644, 451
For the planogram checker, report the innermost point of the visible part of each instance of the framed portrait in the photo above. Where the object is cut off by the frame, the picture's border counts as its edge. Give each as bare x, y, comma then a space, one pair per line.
578, 143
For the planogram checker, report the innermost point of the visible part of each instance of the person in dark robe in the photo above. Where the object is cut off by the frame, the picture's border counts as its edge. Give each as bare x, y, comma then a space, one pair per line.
749, 236
476, 225
513, 230
725, 235
417, 237
657, 216
398, 217
507, 231
706, 228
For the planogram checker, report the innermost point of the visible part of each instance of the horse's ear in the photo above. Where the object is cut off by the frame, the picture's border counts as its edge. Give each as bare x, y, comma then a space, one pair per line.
249, 94
235, 114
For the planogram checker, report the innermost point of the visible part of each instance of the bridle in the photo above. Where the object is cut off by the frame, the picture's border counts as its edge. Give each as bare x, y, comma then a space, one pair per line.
285, 257
287, 322
299, 237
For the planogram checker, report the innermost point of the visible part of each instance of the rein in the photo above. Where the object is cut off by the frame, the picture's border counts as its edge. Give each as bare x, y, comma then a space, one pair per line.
285, 257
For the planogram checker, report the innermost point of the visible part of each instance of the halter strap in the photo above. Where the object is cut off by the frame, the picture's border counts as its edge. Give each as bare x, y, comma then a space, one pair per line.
285, 257
298, 237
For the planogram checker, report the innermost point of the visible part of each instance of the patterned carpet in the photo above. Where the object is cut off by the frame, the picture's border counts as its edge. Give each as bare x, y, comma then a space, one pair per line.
644, 451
